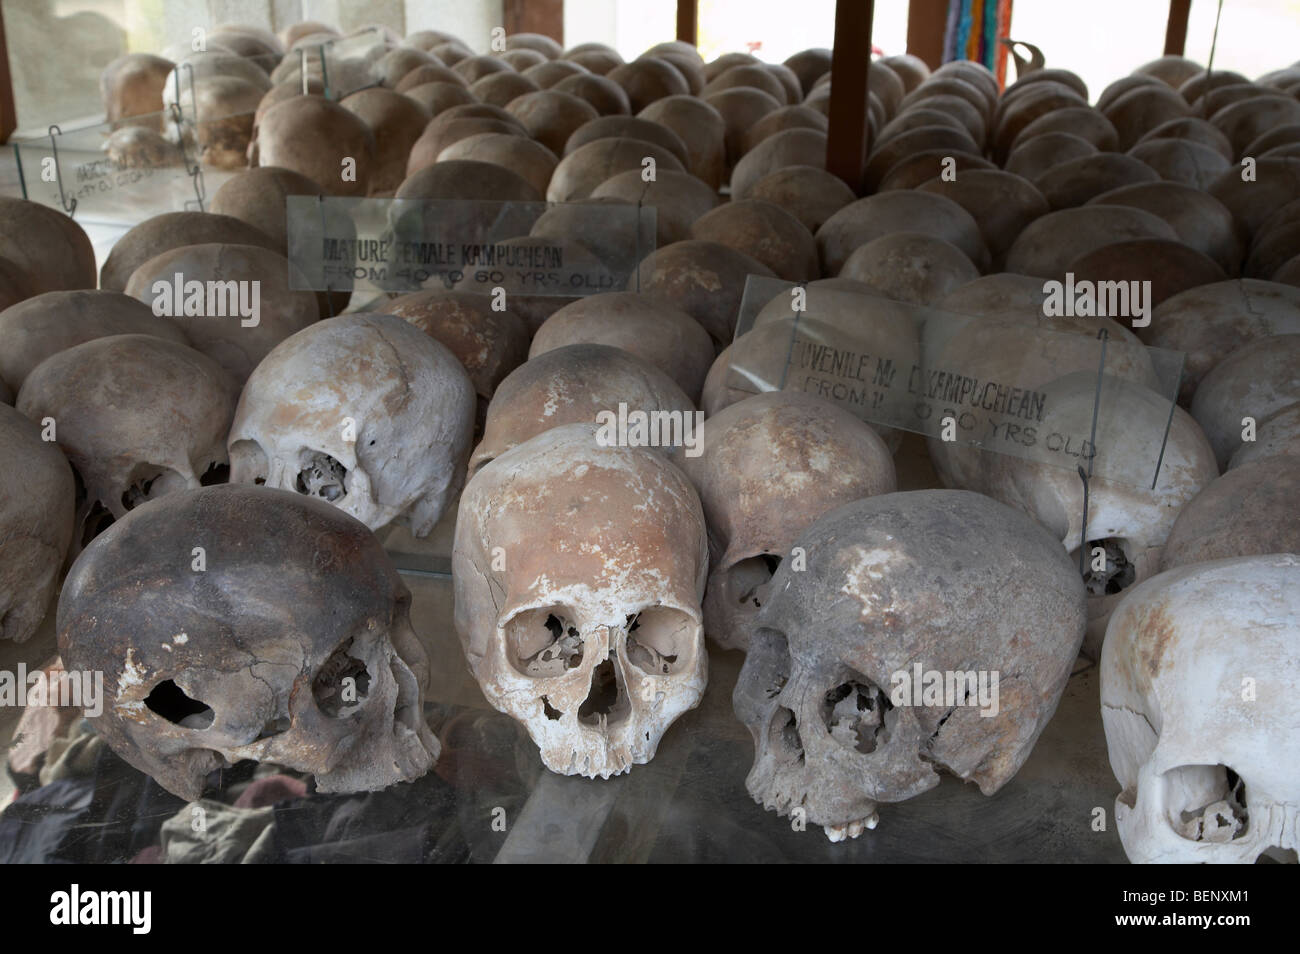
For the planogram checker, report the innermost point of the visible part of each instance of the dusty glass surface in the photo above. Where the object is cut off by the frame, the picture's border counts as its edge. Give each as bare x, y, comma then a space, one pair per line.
111, 172
397, 245
489, 798
1066, 399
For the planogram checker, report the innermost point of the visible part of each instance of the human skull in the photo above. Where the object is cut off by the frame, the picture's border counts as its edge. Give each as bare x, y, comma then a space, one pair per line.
572, 385
1127, 517
579, 570
1209, 768
1210, 322
38, 327
294, 645
1249, 510
1255, 381
944, 581
648, 326
769, 466
254, 300
36, 514
365, 411
137, 416
132, 86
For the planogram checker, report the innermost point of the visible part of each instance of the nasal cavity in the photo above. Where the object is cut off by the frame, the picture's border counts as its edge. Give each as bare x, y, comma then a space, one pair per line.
783, 739
170, 701
605, 700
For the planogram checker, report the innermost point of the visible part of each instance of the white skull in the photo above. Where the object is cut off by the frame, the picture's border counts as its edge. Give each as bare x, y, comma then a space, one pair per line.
364, 411
579, 571
1198, 679
1127, 518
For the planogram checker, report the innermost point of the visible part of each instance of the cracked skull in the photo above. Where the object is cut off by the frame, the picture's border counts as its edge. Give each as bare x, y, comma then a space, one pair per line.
579, 570
903, 588
292, 645
770, 465
1198, 678
366, 412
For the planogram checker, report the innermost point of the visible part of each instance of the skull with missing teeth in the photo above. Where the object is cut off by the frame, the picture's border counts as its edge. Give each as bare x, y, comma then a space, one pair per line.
579, 571
930, 631
292, 645
364, 411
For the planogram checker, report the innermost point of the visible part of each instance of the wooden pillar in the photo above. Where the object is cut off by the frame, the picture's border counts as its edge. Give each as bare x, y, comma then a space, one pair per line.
688, 21
1176, 31
926, 21
8, 114
847, 140
535, 16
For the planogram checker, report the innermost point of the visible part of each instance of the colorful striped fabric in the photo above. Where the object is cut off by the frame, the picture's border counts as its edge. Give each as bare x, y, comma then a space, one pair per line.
973, 31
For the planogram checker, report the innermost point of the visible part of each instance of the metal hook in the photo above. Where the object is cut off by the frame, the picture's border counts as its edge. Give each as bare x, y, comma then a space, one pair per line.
195, 171
68, 207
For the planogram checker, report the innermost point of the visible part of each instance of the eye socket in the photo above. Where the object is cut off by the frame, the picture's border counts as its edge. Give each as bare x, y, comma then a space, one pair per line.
169, 701
544, 642
341, 683
747, 581
661, 640
322, 476
1117, 575
857, 714
1206, 803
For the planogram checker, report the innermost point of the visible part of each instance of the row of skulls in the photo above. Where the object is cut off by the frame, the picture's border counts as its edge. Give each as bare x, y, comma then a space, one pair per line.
586, 576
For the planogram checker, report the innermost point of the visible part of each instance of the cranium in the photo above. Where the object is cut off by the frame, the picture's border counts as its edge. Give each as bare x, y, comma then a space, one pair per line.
365, 411
293, 646
571, 385
1198, 679
579, 570
1212, 321
645, 325
36, 515
137, 416
1249, 510
941, 581
770, 465
1255, 381
46, 324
